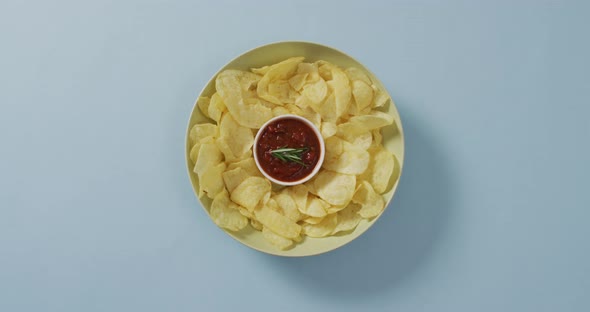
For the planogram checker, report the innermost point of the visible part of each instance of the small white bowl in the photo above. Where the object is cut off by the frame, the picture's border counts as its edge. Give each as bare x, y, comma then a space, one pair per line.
318, 165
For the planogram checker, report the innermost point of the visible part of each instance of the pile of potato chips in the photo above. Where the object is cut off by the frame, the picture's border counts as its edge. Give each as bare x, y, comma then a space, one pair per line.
357, 169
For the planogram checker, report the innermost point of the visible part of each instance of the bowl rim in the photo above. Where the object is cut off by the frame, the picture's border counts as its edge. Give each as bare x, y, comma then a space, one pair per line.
317, 133
400, 157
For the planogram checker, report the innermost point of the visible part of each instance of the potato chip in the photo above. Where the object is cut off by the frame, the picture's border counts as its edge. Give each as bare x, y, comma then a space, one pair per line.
310, 186
294, 109
248, 164
233, 178
232, 86
226, 150
279, 71
246, 83
365, 111
311, 69
250, 192
298, 239
280, 110
380, 169
350, 129
363, 94
238, 138
353, 161
303, 102
363, 140
298, 81
334, 146
261, 70
216, 107
278, 223
194, 152
354, 73
272, 204
313, 220
256, 100
209, 155
210, 180
287, 205
352, 111
335, 188
316, 92
381, 98
277, 187
374, 120
201, 131
325, 69
315, 207
299, 195
334, 209
344, 157
322, 229
342, 92
348, 218
246, 213
327, 109
377, 137
256, 224
266, 198
328, 129
280, 242
308, 68
371, 203
280, 89
225, 213
312, 116
293, 96
203, 105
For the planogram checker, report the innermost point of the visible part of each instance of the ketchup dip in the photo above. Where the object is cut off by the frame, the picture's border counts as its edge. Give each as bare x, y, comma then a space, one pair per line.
299, 138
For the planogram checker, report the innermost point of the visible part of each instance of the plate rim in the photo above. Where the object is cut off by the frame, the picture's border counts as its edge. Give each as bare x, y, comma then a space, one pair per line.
277, 252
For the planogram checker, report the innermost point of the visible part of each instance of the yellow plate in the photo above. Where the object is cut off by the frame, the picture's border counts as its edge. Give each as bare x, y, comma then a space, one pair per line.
393, 140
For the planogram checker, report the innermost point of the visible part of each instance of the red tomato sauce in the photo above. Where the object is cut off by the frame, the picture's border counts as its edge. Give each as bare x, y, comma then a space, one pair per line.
292, 133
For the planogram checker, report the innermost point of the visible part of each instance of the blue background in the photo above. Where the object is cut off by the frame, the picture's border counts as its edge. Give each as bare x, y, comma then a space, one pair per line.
97, 213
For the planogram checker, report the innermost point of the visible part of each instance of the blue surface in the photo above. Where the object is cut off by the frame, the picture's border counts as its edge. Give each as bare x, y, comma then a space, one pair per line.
97, 213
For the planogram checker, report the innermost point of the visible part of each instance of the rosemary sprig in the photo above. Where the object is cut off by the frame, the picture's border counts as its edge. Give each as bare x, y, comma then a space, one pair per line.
289, 154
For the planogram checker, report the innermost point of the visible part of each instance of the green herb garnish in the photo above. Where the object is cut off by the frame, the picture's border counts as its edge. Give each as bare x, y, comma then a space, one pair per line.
289, 154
